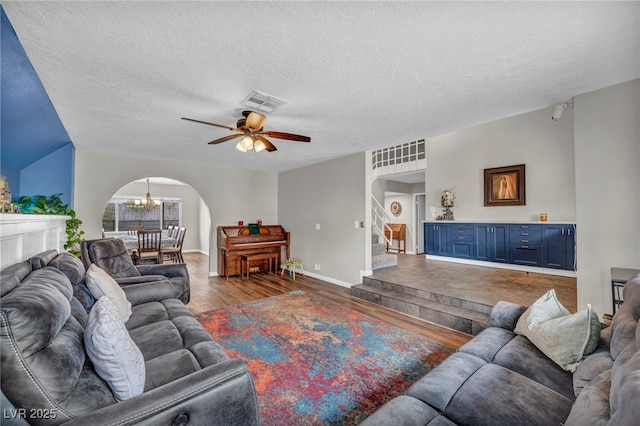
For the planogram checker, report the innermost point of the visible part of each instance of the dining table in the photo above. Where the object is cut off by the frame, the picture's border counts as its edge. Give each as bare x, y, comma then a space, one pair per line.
131, 241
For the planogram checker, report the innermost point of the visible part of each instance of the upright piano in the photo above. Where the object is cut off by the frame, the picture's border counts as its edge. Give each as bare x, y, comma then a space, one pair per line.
235, 241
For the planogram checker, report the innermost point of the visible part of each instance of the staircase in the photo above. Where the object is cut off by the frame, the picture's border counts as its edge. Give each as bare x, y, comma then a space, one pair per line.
379, 256
453, 312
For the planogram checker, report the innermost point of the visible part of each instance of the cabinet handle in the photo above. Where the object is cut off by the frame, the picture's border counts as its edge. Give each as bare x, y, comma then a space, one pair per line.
524, 233
524, 241
568, 231
524, 247
524, 226
562, 232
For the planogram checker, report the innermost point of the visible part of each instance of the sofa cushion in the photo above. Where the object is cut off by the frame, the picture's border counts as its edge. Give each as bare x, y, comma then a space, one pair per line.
487, 343
406, 411
625, 384
115, 356
69, 265
523, 357
563, 337
592, 405
441, 384
590, 368
111, 255
494, 395
101, 284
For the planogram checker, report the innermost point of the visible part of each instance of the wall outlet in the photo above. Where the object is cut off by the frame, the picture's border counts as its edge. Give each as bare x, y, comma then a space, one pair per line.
316, 266
317, 226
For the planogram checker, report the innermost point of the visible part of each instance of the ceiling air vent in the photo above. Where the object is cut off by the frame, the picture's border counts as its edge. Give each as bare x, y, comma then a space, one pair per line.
262, 102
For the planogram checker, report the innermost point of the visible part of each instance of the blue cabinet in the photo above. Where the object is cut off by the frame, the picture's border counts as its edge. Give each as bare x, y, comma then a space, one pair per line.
462, 240
492, 242
528, 244
436, 239
559, 246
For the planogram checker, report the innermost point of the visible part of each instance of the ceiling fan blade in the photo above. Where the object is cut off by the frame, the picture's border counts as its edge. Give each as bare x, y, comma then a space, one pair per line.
255, 121
269, 146
210, 124
286, 136
226, 138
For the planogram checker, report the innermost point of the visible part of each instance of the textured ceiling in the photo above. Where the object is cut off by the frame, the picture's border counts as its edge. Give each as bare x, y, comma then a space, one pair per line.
356, 75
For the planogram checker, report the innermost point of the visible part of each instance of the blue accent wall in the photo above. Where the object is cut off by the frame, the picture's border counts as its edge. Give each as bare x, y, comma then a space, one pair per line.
32, 134
50, 174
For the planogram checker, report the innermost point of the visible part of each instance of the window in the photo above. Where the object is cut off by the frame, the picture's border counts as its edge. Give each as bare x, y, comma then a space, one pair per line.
122, 212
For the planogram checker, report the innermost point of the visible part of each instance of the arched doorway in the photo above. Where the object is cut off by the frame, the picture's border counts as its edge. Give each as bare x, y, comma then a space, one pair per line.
173, 203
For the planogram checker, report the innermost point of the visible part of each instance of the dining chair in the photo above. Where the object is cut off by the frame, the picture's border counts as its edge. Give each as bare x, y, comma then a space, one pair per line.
174, 253
174, 232
133, 230
149, 246
169, 232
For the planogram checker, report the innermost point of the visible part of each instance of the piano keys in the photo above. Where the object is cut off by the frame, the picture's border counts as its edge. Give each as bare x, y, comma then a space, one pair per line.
235, 241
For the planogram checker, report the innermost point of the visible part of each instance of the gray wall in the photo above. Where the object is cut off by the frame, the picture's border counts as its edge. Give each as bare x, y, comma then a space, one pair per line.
458, 159
607, 146
331, 194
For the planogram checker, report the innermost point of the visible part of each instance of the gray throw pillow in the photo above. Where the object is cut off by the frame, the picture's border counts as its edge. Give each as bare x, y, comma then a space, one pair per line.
115, 356
565, 338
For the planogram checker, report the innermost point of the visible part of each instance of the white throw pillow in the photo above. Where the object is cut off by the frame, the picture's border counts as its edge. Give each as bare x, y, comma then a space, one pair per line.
116, 358
102, 284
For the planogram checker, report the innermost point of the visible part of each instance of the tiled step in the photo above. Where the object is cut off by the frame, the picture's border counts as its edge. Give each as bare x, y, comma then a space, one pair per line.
458, 314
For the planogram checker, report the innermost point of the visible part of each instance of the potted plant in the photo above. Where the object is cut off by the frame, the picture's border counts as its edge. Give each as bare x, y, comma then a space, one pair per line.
41, 204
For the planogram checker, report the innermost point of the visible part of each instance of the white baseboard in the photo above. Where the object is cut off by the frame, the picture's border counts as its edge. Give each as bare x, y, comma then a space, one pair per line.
206, 253
510, 266
329, 279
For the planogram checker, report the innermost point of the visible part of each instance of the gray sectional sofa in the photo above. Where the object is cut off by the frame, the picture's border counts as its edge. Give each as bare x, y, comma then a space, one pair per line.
48, 377
501, 378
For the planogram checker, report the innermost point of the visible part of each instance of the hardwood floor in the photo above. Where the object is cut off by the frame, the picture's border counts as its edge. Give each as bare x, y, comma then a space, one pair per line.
208, 293
485, 284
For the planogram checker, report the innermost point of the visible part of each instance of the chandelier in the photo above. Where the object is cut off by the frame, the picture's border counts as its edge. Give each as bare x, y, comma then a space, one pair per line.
147, 203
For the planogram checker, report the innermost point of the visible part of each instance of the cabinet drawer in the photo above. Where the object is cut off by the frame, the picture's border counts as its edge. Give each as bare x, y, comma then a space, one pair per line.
525, 238
525, 227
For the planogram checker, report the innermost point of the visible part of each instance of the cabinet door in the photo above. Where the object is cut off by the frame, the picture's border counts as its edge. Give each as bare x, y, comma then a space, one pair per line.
559, 246
500, 243
436, 239
483, 238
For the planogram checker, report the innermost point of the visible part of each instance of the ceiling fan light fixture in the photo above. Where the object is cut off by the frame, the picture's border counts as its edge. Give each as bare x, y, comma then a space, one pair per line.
259, 146
247, 142
241, 147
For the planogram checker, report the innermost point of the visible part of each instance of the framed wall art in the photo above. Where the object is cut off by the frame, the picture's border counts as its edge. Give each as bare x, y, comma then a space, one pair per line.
504, 186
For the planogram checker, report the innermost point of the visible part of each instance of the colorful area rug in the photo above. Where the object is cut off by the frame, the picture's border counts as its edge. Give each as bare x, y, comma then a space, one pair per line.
314, 362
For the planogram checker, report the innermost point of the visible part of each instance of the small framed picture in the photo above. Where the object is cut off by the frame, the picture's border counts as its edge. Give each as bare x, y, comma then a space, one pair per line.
504, 186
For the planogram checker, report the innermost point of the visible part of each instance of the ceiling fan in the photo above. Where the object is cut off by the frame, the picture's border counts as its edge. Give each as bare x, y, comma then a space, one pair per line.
250, 129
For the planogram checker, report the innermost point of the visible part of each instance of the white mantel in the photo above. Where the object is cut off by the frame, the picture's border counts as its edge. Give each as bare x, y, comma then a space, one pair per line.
25, 235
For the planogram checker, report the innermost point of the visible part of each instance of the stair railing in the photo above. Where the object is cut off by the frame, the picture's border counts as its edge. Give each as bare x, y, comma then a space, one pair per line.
380, 219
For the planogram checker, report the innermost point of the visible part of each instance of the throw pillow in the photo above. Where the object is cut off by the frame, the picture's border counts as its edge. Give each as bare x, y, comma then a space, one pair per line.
545, 308
101, 284
115, 356
565, 338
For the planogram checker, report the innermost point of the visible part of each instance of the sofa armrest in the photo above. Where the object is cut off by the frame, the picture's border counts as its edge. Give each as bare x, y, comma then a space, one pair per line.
169, 270
141, 279
506, 315
151, 291
222, 394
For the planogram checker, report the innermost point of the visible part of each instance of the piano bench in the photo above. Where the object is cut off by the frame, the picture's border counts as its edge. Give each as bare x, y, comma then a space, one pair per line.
246, 259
